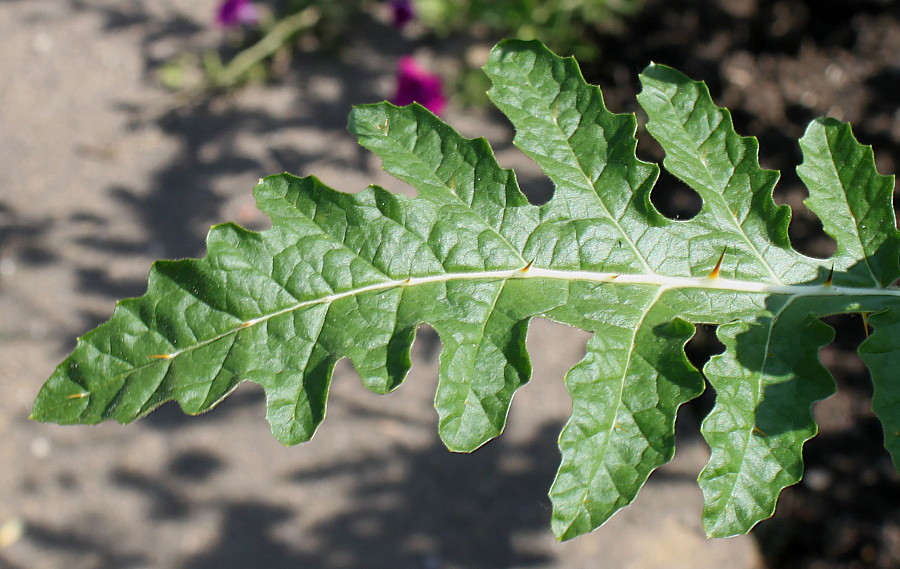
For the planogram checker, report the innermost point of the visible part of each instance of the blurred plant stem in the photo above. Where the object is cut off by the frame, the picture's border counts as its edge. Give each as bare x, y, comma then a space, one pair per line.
236, 70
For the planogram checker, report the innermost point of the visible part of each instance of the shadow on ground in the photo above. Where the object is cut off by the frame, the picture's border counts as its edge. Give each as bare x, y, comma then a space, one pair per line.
411, 509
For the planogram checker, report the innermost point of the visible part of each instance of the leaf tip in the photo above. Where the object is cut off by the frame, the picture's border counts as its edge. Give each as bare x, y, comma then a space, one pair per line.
657, 72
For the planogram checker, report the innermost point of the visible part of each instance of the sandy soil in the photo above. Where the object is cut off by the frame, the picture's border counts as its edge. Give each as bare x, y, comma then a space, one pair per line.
102, 171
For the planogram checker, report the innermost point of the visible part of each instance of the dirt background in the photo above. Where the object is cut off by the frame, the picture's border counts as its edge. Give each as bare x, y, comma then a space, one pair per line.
102, 171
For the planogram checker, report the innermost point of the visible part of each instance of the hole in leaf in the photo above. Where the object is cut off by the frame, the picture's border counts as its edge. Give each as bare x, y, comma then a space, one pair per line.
554, 348
670, 196
805, 230
674, 199
699, 349
538, 189
703, 345
778, 151
841, 357
536, 186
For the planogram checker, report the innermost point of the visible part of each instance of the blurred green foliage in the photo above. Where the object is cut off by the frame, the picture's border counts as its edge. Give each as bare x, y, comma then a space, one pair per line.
566, 26
252, 53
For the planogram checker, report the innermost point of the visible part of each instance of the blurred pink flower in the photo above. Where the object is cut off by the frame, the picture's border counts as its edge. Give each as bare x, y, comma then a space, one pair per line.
235, 12
402, 12
415, 85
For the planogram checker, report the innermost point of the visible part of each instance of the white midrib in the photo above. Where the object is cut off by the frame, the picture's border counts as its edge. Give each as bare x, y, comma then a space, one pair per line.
652, 279
528, 272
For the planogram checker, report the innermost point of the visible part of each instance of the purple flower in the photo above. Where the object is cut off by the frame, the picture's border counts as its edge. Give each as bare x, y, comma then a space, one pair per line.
235, 12
402, 12
415, 85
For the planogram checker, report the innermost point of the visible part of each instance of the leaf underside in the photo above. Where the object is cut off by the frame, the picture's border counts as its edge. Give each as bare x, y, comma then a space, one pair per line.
353, 275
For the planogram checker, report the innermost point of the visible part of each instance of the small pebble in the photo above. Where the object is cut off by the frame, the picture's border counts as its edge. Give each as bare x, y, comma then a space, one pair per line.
40, 447
11, 531
817, 479
7, 267
42, 42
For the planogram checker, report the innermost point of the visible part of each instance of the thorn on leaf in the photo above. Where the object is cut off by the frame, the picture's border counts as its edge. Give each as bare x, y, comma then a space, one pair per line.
715, 272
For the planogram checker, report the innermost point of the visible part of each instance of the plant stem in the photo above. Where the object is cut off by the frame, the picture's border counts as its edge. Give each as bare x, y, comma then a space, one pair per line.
279, 35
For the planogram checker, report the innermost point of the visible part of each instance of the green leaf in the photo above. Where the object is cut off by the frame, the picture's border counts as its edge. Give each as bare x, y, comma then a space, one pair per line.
881, 352
767, 378
843, 187
353, 275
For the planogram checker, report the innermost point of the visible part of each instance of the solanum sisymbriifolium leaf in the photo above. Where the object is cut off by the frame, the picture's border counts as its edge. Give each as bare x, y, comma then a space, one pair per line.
353, 275
769, 375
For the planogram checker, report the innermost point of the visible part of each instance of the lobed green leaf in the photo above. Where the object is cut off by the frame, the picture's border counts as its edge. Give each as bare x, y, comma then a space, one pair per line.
353, 275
